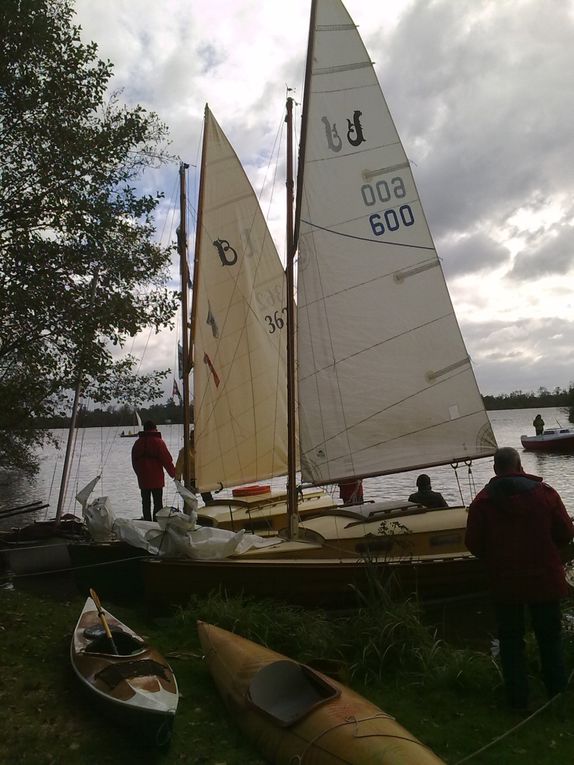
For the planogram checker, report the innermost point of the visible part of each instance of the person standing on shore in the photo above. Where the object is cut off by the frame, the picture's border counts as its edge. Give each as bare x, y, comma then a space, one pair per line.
150, 456
517, 525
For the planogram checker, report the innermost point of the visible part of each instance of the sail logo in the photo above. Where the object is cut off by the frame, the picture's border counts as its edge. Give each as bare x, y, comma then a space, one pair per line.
355, 136
226, 253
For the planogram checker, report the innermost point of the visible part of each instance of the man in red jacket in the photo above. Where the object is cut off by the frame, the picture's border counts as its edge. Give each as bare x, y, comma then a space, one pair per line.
517, 525
150, 456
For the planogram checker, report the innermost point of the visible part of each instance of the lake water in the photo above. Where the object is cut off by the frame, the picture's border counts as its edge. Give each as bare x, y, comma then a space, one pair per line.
102, 450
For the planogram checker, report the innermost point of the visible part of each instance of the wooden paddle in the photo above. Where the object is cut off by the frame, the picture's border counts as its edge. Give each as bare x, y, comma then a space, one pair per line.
104, 622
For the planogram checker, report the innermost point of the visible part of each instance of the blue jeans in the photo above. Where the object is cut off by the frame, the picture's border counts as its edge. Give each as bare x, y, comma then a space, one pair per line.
547, 625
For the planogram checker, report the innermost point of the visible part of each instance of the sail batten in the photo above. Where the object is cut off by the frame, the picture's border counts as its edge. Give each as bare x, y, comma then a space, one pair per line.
385, 381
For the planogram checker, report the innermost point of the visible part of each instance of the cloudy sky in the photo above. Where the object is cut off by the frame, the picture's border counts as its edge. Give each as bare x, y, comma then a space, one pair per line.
482, 93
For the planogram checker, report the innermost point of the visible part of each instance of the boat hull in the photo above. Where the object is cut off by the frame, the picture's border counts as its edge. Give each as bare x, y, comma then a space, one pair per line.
315, 719
323, 583
559, 442
111, 568
136, 688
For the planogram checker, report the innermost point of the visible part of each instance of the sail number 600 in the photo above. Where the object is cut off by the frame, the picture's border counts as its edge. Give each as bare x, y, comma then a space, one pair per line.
391, 220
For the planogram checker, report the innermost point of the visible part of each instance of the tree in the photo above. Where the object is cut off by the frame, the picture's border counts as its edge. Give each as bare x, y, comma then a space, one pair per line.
79, 270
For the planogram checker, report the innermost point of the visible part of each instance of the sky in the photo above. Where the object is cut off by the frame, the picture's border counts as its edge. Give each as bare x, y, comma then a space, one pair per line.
482, 94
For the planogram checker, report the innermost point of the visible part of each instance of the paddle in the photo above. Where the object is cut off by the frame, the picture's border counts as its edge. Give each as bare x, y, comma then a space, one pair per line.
105, 624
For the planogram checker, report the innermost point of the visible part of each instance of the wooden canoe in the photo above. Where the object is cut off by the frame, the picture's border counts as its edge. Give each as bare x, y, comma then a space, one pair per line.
293, 713
136, 687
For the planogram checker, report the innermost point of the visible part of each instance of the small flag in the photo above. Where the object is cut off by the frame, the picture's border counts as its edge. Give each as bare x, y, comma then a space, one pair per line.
175, 391
212, 323
180, 361
207, 360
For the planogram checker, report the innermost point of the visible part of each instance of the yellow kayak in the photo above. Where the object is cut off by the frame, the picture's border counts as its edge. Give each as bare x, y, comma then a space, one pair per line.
294, 714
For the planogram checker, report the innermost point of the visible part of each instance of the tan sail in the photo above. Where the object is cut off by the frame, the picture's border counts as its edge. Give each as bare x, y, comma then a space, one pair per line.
385, 381
239, 326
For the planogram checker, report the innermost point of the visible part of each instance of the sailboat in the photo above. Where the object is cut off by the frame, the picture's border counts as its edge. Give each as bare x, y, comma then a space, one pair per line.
139, 426
384, 382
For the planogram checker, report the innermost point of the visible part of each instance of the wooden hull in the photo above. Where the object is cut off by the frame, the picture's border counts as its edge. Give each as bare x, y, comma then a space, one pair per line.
136, 688
260, 514
312, 583
307, 718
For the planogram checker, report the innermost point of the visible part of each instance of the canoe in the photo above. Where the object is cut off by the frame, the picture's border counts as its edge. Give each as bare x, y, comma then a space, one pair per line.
293, 713
136, 688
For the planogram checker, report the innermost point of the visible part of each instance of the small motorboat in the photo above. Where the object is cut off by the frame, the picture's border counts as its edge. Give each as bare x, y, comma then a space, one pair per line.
131, 681
292, 713
552, 440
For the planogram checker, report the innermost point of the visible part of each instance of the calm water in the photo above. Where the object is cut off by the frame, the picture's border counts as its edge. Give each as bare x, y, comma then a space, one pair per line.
103, 451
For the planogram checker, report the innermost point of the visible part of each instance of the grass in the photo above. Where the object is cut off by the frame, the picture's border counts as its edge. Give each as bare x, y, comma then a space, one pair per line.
449, 696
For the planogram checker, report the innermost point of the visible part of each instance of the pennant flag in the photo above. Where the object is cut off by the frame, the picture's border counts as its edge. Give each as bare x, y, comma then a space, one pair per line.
175, 391
207, 360
212, 323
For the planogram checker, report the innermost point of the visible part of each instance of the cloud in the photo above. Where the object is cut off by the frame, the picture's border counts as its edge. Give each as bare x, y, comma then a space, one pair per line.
551, 253
471, 253
481, 95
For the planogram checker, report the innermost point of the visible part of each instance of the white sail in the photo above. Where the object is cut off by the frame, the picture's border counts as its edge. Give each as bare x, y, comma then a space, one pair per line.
385, 381
239, 351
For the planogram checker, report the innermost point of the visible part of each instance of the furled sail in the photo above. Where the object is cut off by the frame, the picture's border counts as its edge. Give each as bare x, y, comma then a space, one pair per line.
385, 381
239, 347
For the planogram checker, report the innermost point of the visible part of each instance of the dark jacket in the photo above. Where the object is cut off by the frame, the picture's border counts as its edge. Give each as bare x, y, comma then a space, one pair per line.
428, 498
150, 456
517, 525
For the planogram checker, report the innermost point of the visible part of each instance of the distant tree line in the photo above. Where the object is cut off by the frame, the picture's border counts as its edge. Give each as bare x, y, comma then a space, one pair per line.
122, 416
543, 397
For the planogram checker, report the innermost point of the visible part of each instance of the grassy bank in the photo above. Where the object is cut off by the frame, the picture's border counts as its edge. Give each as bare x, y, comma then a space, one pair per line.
449, 696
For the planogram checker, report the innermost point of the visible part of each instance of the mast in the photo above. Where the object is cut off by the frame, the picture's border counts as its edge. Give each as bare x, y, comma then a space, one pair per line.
291, 413
73, 419
185, 344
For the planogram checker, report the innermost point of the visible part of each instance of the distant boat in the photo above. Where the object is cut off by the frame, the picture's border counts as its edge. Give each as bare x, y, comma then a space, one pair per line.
130, 433
558, 440
292, 713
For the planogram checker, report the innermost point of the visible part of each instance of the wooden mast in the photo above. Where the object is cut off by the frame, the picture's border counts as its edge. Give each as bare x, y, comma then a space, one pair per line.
293, 519
73, 419
185, 344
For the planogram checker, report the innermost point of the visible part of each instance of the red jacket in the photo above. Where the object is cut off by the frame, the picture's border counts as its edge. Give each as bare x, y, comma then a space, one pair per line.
150, 456
517, 525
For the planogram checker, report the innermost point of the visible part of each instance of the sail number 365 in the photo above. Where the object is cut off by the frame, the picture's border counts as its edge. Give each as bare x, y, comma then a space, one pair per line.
393, 218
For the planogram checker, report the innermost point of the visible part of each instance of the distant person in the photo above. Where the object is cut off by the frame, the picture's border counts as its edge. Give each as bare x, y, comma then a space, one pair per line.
205, 495
425, 495
351, 492
538, 423
150, 457
517, 525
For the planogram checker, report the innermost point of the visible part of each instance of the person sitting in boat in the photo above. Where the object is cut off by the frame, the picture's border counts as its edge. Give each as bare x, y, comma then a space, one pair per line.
150, 457
538, 423
425, 495
205, 495
351, 492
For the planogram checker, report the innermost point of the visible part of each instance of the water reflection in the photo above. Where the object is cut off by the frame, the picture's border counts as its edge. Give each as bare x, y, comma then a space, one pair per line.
102, 450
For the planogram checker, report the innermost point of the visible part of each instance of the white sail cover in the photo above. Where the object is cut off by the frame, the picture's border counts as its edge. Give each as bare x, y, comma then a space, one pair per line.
239, 346
385, 381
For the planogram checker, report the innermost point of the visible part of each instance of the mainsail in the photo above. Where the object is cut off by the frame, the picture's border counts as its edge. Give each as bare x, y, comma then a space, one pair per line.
238, 328
385, 381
